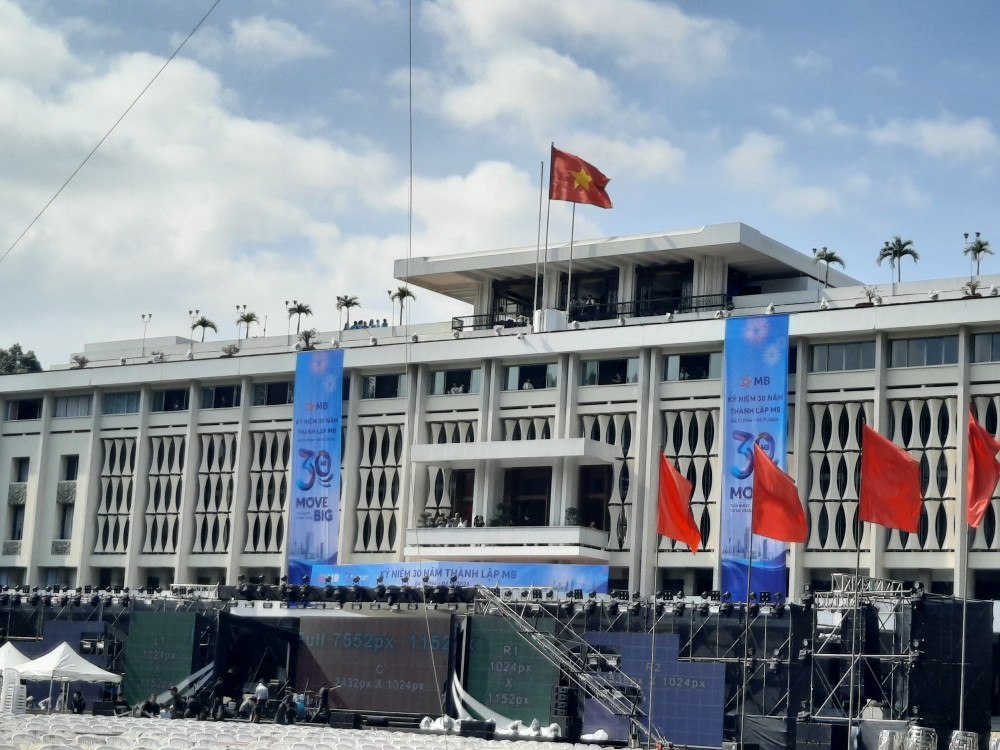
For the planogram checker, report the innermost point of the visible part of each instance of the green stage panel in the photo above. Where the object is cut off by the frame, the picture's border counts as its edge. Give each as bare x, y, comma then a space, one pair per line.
506, 673
158, 652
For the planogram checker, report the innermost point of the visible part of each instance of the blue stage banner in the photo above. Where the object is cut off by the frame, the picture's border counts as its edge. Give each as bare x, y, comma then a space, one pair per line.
556, 577
755, 398
314, 525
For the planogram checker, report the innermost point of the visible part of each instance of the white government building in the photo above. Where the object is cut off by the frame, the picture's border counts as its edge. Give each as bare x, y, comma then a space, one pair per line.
167, 461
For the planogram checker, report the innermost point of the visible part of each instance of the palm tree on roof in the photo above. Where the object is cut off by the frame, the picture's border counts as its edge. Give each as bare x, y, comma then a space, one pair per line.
895, 251
977, 249
346, 302
246, 318
300, 309
204, 323
401, 294
828, 257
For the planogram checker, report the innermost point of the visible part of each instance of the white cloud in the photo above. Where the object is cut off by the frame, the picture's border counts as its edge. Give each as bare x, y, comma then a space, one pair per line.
521, 60
258, 40
946, 137
27, 51
191, 205
643, 157
812, 61
753, 166
822, 121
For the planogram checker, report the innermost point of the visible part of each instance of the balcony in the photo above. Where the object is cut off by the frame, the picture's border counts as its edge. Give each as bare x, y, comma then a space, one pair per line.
514, 452
645, 308
489, 321
569, 544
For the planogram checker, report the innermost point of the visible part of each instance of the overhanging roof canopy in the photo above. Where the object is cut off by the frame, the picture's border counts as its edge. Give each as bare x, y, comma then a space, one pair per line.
63, 664
744, 248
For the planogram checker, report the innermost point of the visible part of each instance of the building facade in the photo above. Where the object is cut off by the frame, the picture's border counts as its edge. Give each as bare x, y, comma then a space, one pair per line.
167, 460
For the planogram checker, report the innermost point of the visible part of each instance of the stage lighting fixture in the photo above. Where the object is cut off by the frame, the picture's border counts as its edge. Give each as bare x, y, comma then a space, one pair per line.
592, 594
77, 600
64, 601
660, 609
4, 599
613, 609
703, 609
727, 596
94, 600
754, 608
126, 599
577, 594
392, 595
778, 609
16, 600
549, 594
590, 607
765, 597
593, 660
678, 608
507, 593
35, 597
634, 607
117, 589
706, 595
47, 600
726, 608
356, 592
774, 665
108, 601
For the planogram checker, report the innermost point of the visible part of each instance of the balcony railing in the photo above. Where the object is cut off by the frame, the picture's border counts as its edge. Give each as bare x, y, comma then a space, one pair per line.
489, 321
648, 307
508, 536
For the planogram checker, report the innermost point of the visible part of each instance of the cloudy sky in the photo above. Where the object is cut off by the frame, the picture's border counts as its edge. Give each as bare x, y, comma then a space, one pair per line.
269, 161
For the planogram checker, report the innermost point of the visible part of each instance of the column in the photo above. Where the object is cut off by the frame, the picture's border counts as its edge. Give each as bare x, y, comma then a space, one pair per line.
413, 385
650, 453
626, 283
140, 493
798, 574
32, 546
418, 481
876, 534
189, 477
351, 477
641, 443
87, 496
964, 578
241, 494
492, 375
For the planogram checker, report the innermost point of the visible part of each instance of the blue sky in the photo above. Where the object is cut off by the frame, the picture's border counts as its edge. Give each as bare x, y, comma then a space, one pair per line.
269, 160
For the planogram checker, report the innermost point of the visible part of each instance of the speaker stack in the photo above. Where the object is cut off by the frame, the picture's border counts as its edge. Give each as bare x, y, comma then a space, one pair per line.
566, 711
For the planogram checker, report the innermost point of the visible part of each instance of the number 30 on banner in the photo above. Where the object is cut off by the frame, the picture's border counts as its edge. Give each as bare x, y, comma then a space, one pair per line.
320, 467
745, 450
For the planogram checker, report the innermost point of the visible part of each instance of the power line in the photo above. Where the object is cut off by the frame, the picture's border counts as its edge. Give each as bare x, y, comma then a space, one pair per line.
94, 150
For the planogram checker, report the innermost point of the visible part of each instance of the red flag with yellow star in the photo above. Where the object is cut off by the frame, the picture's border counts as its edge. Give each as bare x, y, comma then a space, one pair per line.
574, 180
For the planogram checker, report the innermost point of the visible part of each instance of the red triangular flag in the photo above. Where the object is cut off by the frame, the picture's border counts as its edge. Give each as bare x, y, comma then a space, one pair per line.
675, 519
890, 484
984, 470
777, 510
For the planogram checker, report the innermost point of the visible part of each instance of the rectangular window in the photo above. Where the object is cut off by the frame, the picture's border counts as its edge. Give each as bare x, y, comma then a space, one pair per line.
220, 397
530, 377
526, 493
15, 527
73, 406
172, 400
454, 381
65, 528
19, 470
23, 409
383, 386
982, 347
609, 371
70, 468
126, 402
858, 355
594, 494
273, 394
345, 389
937, 350
692, 366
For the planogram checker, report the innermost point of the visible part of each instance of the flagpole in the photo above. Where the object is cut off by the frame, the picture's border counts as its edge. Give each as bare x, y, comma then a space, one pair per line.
854, 633
965, 607
746, 631
548, 213
569, 278
538, 241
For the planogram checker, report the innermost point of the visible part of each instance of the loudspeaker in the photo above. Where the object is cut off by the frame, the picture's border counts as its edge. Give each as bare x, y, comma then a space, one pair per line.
104, 708
810, 736
345, 719
930, 629
484, 730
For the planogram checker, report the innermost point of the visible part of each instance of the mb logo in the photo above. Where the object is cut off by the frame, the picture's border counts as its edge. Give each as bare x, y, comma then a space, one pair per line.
762, 380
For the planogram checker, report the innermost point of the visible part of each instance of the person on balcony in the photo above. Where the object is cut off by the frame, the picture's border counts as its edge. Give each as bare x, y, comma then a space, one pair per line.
527, 385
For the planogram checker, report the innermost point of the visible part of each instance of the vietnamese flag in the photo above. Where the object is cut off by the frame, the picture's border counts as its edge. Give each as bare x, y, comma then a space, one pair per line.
574, 180
984, 470
890, 484
674, 517
777, 510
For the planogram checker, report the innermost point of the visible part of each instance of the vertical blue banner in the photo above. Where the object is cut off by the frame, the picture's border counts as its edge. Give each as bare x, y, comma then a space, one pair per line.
754, 410
314, 520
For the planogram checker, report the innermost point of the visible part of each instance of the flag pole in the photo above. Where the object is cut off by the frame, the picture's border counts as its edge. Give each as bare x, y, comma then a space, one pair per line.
854, 633
965, 607
548, 213
746, 631
569, 278
538, 241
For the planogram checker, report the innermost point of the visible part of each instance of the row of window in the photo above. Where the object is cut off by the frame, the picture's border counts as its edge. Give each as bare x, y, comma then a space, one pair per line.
68, 471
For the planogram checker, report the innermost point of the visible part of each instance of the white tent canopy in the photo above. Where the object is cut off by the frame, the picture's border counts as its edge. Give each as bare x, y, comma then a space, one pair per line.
63, 664
11, 657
